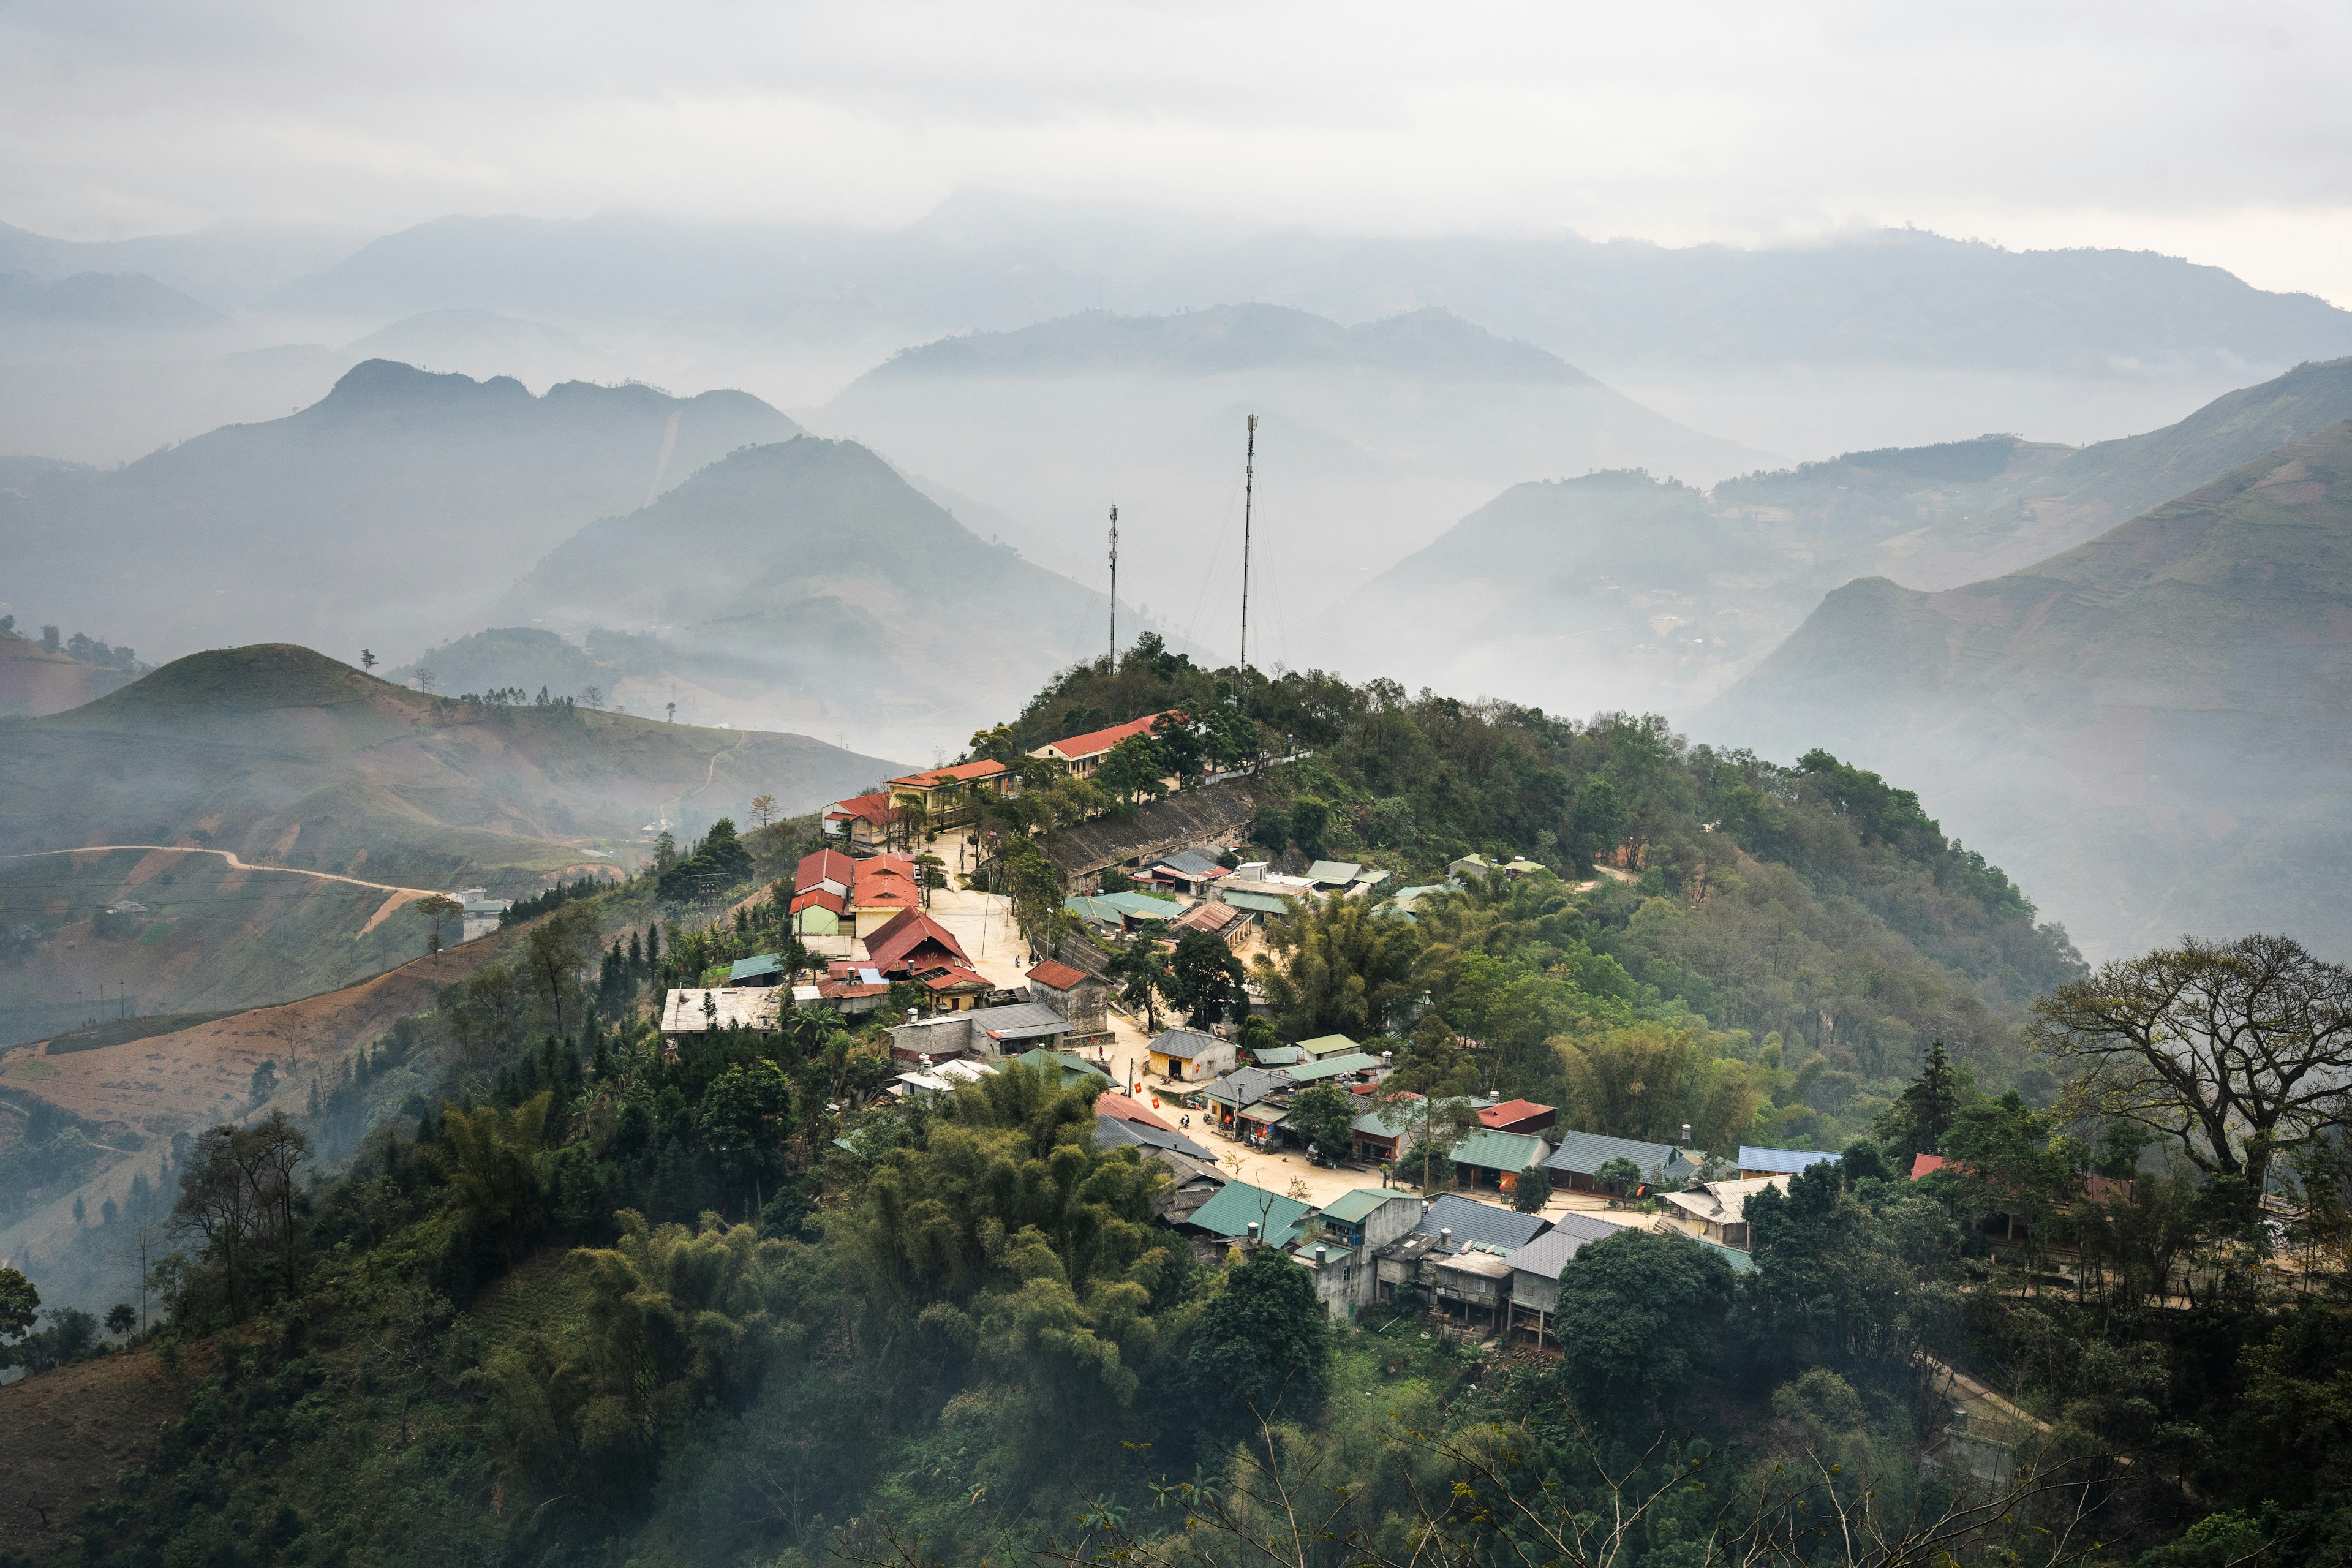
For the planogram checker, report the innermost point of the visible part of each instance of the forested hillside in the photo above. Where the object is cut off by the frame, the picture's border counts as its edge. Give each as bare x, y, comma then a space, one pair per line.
595, 1297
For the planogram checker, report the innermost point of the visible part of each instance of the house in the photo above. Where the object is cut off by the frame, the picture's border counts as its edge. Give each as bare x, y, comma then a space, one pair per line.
694, 1011
943, 792
865, 823
1121, 911
1224, 1099
1718, 1211
1470, 865
1491, 1159
1408, 900
478, 915
1778, 1162
1327, 875
1463, 1223
1191, 1056
1371, 1217
942, 1079
846, 997
1535, 1268
1277, 1055
982, 1031
884, 887
1240, 1211
1580, 1155
1193, 1176
1342, 1248
1323, 1046
910, 942
1188, 871
1083, 753
1341, 1069
1219, 920
1517, 1116
1073, 993
952, 987
762, 969
1257, 1124
1925, 1164
1380, 1133
834, 895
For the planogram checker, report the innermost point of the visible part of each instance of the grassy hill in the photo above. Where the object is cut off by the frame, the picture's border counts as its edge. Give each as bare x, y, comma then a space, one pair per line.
284, 758
807, 583
385, 515
2151, 723
1616, 590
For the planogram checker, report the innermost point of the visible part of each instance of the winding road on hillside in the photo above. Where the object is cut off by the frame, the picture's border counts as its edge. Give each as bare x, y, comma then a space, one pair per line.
235, 864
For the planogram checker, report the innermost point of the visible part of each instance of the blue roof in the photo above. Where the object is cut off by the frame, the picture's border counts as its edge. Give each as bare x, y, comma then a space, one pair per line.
1471, 1220
1780, 1162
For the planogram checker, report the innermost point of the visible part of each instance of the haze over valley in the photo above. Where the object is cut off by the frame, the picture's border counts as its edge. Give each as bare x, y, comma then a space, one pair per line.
1061, 787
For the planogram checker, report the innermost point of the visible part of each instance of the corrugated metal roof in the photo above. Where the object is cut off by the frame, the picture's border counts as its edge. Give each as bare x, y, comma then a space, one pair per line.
1351, 1206
1492, 1151
1182, 1043
1335, 872
1582, 1154
1259, 903
1470, 1221
1245, 1086
1229, 1214
1780, 1162
1332, 1067
761, 963
1056, 976
1329, 1044
1112, 1132
1547, 1254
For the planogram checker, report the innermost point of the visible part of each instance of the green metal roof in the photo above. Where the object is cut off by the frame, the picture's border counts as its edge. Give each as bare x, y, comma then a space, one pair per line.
1259, 903
1492, 1151
753, 967
1348, 1208
1329, 1044
1330, 1067
1236, 1203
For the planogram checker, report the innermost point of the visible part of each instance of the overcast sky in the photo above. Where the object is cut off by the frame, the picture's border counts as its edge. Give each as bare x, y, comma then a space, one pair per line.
2222, 132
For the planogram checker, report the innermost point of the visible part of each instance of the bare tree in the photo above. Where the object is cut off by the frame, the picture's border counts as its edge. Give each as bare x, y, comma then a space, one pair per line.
595, 697
764, 809
2236, 1052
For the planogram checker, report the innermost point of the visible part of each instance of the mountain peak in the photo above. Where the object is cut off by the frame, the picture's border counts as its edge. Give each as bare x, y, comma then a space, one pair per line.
258, 677
378, 384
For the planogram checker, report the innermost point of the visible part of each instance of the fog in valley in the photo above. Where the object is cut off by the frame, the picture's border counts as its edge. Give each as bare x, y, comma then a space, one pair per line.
1708, 630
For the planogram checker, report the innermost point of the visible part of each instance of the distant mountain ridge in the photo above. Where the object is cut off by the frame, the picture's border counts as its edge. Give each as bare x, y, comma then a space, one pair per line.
2153, 720
1617, 591
1222, 339
390, 512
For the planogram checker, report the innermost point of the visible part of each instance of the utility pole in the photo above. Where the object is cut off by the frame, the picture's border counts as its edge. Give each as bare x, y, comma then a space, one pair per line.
1249, 488
1114, 590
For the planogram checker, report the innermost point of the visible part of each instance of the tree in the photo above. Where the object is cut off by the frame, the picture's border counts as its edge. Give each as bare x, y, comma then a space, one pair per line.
1035, 885
763, 808
1339, 967
425, 681
237, 1191
120, 1319
1428, 1126
1325, 1115
595, 698
1919, 1117
1133, 769
1144, 981
2236, 1052
746, 1112
367, 658
20, 1305
1638, 1314
1534, 1190
1263, 1339
1207, 979
1311, 820
437, 908
1619, 1176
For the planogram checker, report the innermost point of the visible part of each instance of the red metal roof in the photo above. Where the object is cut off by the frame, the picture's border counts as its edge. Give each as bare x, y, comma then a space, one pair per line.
1095, 743
824, 866
1209, 918
1513, 1112
950, 977
822, 897
1057, 975
874, 808
904, 933
962, 772
1112, 1103
1923, 1163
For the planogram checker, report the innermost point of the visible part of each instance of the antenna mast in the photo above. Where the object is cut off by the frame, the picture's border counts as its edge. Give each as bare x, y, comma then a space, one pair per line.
1249, 487
1113, 589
